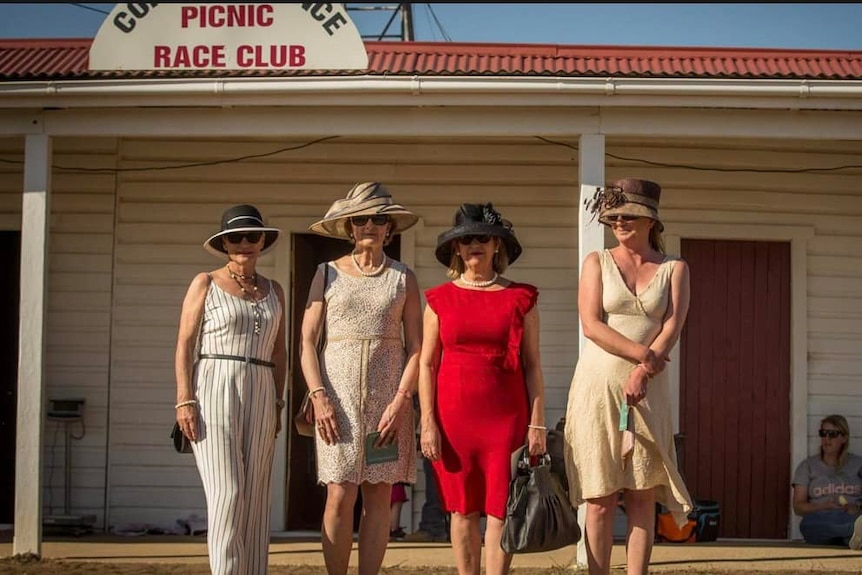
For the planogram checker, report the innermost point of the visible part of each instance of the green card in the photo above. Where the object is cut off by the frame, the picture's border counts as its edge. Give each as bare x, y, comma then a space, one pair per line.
382, 454
624, 416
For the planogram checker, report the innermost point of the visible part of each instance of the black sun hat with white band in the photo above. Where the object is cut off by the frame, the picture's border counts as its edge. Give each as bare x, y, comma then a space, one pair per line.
241, 218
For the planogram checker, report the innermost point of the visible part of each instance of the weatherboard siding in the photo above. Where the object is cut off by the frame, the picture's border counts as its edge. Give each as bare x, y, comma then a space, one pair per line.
120, 264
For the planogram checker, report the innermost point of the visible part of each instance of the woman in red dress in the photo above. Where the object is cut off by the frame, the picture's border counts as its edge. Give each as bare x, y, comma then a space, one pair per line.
480, 381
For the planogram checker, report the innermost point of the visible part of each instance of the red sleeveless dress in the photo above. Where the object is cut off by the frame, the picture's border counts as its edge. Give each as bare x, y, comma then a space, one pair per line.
481, 403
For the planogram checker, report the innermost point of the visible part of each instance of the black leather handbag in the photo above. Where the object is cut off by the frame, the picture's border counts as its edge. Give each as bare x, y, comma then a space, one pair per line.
181, 442
539, 516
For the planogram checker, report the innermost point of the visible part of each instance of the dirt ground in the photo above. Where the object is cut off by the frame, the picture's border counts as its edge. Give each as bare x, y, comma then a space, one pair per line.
26, 566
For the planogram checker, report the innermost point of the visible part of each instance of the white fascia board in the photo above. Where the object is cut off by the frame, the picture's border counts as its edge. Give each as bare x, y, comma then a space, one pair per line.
316, 122
436, 90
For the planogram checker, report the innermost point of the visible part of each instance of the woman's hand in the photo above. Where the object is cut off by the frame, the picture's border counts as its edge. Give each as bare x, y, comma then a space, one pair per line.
429, 439
653, 363
390, 421
831, 504
636, 385
187, 417
324, 419
537, 441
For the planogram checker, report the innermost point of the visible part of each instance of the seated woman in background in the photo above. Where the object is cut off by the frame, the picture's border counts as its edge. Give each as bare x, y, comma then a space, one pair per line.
827, 489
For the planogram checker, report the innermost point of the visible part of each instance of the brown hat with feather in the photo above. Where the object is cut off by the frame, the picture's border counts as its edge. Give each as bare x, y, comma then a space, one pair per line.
627, 197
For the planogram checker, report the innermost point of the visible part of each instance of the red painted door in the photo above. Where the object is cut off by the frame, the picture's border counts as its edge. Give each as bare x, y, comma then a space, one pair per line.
735, 383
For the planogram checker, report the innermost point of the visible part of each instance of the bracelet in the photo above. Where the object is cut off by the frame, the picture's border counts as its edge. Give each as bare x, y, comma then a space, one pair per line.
186, 403
646, 371
279, 402
542, 427
315, 390
405, 392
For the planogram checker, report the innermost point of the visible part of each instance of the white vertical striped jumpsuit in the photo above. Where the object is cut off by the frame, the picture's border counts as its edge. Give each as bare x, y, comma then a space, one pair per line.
237, 428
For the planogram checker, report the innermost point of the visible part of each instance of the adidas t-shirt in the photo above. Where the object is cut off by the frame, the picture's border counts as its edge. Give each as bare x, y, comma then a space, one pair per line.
826, 482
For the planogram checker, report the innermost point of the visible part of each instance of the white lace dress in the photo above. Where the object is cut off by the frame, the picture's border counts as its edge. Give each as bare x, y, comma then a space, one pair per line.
361, 368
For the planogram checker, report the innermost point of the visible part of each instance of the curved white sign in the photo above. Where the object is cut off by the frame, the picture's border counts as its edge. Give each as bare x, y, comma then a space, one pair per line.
228, 36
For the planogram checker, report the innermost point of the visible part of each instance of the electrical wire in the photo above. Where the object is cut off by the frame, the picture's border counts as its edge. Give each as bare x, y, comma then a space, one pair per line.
49, 481
439, 24
178, 166
541, 138
430, 23
711, 168
85, 7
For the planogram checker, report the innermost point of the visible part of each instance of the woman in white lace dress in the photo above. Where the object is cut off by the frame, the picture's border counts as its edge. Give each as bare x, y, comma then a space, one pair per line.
369, 308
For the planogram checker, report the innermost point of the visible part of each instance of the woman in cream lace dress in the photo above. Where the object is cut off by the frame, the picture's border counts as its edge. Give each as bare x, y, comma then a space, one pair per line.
632, 301
369, 307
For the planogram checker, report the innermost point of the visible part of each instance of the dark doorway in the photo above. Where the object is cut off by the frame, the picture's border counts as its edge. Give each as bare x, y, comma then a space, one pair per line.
305, 498
735, 384
9, 293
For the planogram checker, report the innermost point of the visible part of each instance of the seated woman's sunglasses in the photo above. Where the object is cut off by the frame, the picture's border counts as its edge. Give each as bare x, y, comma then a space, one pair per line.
830, 433
250, 237
362, 220
467, 240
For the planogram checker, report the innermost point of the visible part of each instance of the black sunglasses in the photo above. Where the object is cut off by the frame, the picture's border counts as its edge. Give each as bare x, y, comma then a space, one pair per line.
376, 220
250, 237
467, 240
830, 433
623, 218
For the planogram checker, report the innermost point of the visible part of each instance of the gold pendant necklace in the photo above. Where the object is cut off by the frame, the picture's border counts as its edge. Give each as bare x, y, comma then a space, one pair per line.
251, 296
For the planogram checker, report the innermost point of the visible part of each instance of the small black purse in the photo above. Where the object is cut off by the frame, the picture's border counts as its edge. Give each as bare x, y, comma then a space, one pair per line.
181, 442
539, 516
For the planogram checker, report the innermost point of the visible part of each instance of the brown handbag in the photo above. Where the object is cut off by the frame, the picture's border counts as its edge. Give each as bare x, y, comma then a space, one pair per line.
304, 418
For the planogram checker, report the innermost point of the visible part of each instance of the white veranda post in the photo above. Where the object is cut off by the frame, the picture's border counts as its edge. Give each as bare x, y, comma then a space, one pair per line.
591, 237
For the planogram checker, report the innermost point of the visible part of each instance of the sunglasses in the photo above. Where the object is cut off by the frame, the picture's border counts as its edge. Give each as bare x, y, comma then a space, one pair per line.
467, 240
830, 433
250, 237
376, 220
622, 218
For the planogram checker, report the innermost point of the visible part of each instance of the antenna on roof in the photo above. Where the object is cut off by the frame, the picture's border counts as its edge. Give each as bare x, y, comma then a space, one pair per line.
378, 21
403, 11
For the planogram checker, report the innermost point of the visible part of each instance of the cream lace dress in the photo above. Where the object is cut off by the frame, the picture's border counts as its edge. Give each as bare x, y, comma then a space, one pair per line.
361, 367
594, 462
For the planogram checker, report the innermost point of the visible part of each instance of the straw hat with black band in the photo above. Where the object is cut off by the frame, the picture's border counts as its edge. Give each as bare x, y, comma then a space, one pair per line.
366, 199
238, 219
477, 220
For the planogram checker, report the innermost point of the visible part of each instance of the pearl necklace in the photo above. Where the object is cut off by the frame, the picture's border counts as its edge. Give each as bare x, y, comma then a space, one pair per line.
482, 284
372, 273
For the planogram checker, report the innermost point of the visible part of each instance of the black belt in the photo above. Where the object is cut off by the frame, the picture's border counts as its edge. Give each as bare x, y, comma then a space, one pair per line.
253, 360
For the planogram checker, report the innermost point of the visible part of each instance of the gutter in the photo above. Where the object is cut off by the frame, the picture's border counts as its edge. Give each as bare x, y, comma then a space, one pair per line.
409, 91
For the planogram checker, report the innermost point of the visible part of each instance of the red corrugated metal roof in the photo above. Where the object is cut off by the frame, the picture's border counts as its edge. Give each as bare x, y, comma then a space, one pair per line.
67, 59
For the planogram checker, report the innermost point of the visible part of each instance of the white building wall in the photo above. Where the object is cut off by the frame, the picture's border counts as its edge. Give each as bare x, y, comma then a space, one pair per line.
163, 216
79, 309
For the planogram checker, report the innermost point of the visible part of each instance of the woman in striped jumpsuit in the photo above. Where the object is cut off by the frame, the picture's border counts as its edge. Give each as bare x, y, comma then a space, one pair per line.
230, 369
